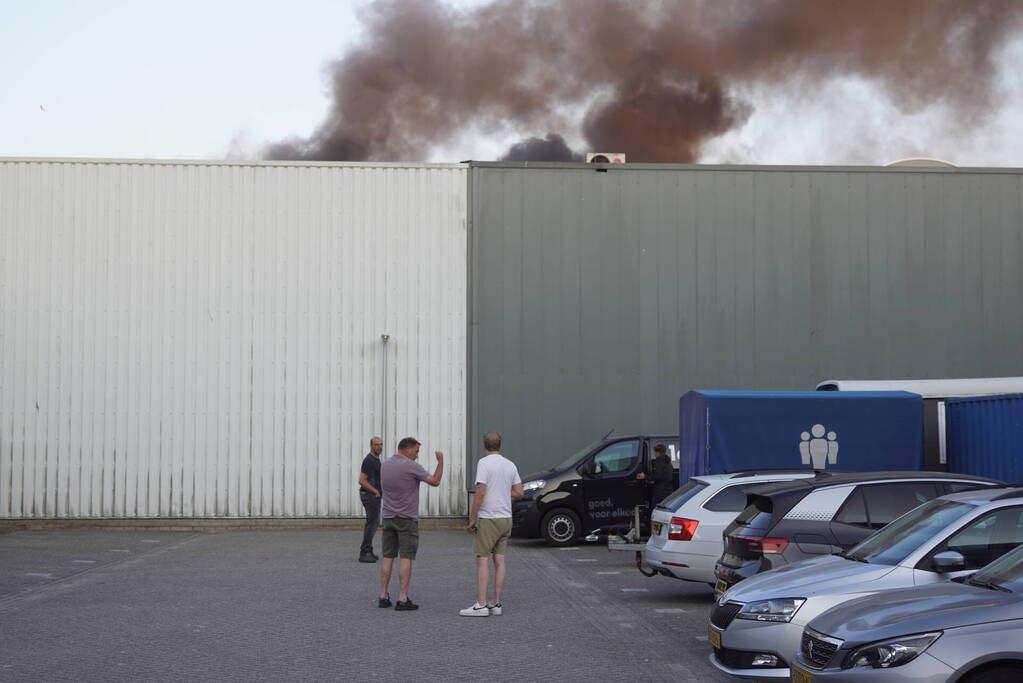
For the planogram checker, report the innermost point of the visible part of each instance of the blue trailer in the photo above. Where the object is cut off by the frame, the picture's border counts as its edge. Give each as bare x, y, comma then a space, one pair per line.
984, 436
727, 431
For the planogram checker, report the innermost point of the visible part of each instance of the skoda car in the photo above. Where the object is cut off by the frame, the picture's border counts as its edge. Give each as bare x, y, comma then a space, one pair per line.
685, 538
756, 627
963, 631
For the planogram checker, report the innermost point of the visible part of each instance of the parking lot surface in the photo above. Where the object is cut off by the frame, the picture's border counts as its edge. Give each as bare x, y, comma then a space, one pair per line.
243, 606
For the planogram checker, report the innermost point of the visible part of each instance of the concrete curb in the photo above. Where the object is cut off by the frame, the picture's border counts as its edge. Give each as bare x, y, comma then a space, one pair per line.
214, 525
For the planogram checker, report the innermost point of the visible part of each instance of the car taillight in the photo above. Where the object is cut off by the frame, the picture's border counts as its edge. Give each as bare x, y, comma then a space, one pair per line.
682, 529
765, 546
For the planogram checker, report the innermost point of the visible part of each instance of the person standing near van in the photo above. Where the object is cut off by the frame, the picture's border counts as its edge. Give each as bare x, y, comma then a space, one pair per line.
400, 476
497, 482
662, 475
369, 494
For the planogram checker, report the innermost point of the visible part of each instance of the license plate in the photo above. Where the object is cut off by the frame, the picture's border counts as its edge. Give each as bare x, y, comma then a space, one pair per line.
715, 638
720, 587
657, 528
800, 676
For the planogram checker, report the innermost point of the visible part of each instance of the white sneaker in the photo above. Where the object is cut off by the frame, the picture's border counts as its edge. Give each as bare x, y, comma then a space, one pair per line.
495, 610
477, 610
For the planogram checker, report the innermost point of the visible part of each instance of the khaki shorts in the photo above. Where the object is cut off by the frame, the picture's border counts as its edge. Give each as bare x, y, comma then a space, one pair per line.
492, 536
400, 537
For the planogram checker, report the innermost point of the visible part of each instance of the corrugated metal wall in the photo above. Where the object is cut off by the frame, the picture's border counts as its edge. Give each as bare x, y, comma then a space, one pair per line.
984, 436
598, 299
204, 340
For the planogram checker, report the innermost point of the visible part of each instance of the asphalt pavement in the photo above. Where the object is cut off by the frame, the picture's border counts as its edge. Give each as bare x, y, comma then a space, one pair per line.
298, 606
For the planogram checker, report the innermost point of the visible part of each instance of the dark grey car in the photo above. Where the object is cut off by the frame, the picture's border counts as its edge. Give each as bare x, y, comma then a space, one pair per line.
791, 521
968, 630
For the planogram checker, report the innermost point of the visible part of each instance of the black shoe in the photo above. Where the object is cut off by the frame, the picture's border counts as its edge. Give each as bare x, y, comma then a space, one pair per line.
407, 605
384, 602
368, 557
373, 555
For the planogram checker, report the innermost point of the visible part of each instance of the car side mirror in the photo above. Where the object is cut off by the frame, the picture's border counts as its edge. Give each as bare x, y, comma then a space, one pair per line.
948, 561
586, 469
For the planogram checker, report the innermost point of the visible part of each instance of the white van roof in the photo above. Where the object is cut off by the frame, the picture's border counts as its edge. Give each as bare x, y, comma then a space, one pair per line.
930, 388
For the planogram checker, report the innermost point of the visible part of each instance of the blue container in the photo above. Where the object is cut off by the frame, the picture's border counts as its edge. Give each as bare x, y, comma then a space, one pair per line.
862, 431
984, 436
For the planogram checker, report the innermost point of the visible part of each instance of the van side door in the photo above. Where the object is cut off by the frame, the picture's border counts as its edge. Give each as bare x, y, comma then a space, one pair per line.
610, 487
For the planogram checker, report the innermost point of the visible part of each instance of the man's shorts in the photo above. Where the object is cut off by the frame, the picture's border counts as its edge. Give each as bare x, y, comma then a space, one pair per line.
492, 536
400, 537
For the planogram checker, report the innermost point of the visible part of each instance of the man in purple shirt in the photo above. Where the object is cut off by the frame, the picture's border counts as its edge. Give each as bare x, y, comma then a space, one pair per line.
400, 476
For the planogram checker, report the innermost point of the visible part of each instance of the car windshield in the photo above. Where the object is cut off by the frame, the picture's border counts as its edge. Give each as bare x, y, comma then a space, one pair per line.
893, 544
678, 499
1005, 572
574, 458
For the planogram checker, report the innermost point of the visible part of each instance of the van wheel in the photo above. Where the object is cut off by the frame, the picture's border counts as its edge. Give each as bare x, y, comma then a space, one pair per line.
560, 527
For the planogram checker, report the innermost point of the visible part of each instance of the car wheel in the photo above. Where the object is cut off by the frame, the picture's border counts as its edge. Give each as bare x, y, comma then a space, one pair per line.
560, 527
996, 674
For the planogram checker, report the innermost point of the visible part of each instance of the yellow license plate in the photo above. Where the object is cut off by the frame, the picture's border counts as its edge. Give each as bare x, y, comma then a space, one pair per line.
715, 638
800, 676
720, 587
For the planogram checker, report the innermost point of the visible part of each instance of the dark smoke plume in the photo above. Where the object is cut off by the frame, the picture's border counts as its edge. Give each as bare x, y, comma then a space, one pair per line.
551, 148
656, 79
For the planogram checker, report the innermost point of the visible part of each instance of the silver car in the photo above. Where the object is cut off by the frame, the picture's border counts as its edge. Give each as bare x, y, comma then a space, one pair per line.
756, 627
687, 526
969, 632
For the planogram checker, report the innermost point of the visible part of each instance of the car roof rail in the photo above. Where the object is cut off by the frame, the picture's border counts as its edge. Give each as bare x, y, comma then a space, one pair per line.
1012, 493
778, 470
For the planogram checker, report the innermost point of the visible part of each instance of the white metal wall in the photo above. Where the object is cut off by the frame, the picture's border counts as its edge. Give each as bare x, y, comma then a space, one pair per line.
204, 340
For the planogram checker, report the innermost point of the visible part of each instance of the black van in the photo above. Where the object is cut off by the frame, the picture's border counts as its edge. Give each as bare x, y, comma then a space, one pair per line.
589, 492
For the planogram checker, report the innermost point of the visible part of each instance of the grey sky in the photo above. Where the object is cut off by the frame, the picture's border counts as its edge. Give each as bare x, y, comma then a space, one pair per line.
109, 78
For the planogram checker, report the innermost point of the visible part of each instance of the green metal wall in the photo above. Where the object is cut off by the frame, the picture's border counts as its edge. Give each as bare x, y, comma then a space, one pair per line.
598, 298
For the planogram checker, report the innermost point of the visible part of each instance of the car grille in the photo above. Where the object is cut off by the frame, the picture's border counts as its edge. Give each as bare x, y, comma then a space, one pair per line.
741, 659
722, 615
817, 652
733, 659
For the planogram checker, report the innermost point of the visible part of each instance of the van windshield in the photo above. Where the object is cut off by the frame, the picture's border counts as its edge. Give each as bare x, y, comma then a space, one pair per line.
574, 458
894, 543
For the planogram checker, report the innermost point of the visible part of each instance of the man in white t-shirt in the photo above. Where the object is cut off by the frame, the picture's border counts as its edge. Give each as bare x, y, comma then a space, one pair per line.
497, 482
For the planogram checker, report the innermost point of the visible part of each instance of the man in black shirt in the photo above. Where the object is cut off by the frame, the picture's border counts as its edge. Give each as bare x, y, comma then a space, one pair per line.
369, 494
662, 475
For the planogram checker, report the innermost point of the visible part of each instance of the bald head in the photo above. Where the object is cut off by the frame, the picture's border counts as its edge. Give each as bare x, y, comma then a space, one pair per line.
376, 445
492, 442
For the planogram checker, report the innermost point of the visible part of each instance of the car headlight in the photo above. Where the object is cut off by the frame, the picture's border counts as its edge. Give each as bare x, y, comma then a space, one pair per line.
534, 485
778, 609
889, 653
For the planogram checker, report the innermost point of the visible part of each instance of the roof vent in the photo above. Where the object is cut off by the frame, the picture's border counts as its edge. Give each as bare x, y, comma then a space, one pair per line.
605, 158
921, 161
